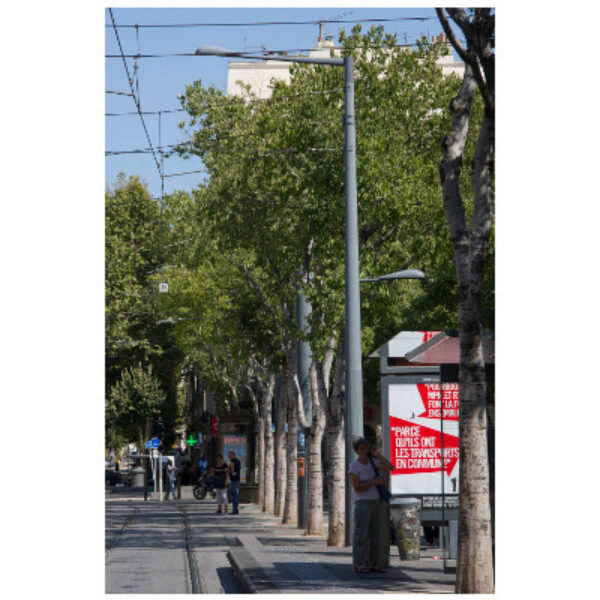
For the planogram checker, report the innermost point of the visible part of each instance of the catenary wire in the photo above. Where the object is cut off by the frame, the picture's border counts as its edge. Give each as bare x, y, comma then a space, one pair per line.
144, 112
136, 100
264, 23
260, 53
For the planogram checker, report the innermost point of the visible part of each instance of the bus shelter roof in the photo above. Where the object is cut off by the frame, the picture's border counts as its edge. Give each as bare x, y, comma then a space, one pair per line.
444, 349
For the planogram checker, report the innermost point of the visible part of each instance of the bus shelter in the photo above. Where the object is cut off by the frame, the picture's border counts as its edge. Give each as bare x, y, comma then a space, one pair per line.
420, 416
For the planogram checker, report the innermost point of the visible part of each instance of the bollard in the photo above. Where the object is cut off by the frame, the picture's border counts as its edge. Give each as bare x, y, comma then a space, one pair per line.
407, 526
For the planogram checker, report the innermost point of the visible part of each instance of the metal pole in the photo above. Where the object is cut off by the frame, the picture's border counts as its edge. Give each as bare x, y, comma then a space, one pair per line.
443, 530
354, 399
159, 470
162, 162
302, 310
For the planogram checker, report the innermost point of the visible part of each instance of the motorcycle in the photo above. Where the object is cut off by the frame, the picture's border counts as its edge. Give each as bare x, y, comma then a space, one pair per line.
202, 488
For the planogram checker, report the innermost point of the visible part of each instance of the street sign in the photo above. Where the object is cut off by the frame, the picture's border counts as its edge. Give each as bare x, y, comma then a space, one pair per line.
163, 287
154, 443
147, 445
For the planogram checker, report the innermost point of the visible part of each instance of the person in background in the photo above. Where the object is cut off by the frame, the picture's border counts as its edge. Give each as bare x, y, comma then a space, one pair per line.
221, 482
235, 468
203, 466
368, 506
171, 474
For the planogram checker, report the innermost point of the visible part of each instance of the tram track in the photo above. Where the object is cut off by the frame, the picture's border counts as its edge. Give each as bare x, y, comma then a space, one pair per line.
111, 543
195, 578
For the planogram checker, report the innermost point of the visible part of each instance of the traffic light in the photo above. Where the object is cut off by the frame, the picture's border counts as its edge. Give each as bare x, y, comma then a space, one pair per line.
160, 429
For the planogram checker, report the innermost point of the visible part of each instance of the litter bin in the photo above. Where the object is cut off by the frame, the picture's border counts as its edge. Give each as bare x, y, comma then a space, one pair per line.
137, 477
407, 526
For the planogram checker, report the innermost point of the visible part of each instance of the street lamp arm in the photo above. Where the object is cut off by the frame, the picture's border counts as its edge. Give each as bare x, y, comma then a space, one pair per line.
406, 274
218, 51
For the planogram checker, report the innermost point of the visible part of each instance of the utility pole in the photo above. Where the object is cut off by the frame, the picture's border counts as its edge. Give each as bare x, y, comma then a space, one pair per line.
354, 396
302, 310
354, 391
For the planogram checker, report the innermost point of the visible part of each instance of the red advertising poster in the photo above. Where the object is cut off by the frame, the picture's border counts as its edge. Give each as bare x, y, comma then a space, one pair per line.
238, 444
416, 440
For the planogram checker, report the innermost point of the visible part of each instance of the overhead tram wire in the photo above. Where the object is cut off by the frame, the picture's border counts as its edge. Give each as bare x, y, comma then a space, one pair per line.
260, 53
265, 23
135, 99
144, 112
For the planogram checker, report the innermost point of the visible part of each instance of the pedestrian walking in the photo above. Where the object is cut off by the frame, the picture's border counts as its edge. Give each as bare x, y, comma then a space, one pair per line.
368, 506
235, 468
221, 483
171, 474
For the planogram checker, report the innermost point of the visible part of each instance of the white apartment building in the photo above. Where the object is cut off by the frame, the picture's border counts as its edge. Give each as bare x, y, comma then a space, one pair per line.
259, 75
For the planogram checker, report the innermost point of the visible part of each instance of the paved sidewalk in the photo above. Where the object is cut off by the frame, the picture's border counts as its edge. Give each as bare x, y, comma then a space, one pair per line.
277, 558
251, 552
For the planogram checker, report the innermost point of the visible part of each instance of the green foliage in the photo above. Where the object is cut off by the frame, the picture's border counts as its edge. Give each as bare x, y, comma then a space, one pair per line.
135, 402
131, 244
275, 201
137, 241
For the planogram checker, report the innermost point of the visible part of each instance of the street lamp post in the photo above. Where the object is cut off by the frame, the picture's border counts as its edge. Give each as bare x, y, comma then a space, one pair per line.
384, 550
354, 391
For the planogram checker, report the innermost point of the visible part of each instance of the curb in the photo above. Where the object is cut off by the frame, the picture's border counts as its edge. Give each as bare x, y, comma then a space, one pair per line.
241, 575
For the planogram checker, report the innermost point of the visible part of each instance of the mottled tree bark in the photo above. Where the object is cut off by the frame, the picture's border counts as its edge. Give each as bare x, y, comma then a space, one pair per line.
290, 509
256, 400
319, 383
260, 500
475, 573
336, 452
269, 472
314, 437
280, 450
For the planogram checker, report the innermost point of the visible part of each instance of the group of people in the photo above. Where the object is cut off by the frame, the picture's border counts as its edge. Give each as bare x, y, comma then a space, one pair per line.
223, 476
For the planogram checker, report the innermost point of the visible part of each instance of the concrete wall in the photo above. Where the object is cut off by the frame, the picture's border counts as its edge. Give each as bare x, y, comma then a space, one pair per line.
258, 75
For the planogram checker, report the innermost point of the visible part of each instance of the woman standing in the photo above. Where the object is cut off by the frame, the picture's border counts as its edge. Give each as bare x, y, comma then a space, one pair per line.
221, 483
365, 477
171, 474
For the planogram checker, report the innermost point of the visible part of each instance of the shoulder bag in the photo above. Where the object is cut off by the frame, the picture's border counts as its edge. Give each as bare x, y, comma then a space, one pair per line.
384, 493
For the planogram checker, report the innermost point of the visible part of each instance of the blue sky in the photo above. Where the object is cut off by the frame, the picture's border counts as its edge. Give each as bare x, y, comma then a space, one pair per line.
162, 79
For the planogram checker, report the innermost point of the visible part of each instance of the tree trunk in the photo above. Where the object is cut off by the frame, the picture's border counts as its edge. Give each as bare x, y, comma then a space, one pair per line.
280, 450
475, 572
336, 453
314, 517
269, 469
290, 510
261, 462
